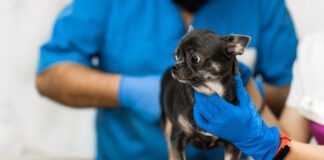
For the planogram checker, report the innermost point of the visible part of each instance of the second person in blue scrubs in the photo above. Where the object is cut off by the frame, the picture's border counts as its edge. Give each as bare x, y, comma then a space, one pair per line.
110, 54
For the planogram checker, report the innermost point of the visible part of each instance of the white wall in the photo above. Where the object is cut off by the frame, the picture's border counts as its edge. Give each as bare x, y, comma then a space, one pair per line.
30, 124
308, 15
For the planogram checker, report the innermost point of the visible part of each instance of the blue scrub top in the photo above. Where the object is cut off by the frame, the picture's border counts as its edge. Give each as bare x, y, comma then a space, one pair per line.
137, 37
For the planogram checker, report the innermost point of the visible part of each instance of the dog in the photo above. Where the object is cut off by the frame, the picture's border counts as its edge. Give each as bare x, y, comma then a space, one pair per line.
205, 62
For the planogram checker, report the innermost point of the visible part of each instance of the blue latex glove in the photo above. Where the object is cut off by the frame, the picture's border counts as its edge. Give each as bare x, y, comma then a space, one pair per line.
241, 124
245, 72
141, 95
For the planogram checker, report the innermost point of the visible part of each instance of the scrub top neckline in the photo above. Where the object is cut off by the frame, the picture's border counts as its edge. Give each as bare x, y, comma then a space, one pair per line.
194, 18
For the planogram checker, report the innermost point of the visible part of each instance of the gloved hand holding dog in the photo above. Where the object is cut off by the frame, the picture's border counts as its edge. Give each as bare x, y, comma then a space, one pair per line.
240, 124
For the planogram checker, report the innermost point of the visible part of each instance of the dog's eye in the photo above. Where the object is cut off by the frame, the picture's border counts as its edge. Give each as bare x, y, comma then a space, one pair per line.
195, 59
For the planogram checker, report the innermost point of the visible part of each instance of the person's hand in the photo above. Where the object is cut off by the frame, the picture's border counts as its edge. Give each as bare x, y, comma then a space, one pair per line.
239, 124
141, 96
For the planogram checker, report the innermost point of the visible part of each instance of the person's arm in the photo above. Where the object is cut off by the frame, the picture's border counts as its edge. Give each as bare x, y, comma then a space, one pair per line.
257, 98
296, 126
277, 52
65, 72
78, 86
302, 151
254, 93
290, 122
276, 96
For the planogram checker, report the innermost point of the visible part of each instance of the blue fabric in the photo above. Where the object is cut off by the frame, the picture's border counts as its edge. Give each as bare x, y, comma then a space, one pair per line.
138, 38
214, 115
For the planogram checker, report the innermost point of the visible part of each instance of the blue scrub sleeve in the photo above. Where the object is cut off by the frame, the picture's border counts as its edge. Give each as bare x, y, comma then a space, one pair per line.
278, 42
77, 34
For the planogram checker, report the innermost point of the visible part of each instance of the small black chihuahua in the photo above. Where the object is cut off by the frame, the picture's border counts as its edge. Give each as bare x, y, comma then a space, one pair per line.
205, 62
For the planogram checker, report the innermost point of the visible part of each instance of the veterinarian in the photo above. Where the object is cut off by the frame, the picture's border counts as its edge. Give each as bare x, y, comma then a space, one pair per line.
244, 127
111, 54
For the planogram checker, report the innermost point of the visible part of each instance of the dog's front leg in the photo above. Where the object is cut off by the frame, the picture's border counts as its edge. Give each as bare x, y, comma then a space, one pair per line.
232, 153
178, 141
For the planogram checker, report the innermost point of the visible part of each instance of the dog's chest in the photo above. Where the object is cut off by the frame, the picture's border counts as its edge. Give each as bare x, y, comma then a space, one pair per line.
200, 139
211, 87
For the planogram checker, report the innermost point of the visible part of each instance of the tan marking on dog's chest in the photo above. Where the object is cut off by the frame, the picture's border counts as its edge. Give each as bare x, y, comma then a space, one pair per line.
211, 88
216, 86
185, 124
204, 90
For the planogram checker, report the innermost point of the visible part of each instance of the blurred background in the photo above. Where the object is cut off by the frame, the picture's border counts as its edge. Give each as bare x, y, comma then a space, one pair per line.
34, 127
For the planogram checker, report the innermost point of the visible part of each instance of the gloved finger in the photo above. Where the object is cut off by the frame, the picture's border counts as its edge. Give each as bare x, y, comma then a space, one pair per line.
200, 98
212, 103
218, 103
241, 93
211, 107
199, 117
238, 81
212, 114
201, 104
206, 112
202, 121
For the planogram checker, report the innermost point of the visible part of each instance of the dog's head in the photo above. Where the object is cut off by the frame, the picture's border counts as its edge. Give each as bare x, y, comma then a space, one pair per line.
203, 56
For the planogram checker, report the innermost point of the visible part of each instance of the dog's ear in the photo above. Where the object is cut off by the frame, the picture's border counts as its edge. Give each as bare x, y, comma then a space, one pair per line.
191, 28
235, 44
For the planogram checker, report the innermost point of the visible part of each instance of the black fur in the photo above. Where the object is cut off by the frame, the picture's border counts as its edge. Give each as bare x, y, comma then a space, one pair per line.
177, 97
191, 6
